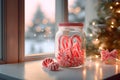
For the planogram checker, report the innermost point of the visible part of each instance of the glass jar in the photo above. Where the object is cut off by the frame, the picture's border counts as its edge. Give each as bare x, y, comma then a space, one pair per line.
70, 45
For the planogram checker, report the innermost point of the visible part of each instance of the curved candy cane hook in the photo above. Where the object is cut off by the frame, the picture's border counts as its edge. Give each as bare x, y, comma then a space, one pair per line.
78, 41
66, 42
63, 42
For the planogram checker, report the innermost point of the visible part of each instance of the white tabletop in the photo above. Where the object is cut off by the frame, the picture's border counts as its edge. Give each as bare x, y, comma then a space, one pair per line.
34, 71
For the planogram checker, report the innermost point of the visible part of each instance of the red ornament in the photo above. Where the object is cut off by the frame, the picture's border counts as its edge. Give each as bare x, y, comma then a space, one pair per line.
109, 57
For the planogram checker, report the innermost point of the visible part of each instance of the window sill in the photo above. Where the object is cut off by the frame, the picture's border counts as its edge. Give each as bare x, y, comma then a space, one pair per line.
33, 71
40, 56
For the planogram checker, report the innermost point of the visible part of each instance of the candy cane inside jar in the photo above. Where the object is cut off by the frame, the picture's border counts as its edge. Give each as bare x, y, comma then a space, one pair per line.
70, 45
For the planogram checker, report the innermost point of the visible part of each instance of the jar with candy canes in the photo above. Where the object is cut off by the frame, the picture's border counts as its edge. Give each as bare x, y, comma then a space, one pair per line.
70, 45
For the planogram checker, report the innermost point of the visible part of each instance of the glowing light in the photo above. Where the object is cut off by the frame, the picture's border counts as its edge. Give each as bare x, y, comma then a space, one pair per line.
50, 32
84, 74
96, 56
112, 26
101, 73
116, 69
93, 23
95, 77
112, 22
48, 29
96, 68
45, 21
34, 35
96, 39
117, 60
38, 29
77, 10
117, 3
71, 10
42, 30
30, 24
118, 11
91, 35
45, 35
111, 7
100, 48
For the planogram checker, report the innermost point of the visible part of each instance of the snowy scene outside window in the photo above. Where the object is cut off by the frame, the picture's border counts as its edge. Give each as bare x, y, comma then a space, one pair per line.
39, 26
40, 23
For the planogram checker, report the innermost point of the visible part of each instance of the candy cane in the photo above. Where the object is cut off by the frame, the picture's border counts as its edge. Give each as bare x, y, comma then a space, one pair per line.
77, 38
77, 44
70, 53
75, 52
63, 42
47, 61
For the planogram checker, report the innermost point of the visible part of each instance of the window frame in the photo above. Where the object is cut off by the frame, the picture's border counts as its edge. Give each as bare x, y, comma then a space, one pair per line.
61, 15
10, 32
13, 32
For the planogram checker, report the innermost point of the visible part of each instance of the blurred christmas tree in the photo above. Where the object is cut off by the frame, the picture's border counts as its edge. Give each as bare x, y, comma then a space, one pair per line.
105, 31
40, 27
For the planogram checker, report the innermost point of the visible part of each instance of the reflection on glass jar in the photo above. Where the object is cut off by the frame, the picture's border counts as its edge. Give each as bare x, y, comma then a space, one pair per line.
70, 45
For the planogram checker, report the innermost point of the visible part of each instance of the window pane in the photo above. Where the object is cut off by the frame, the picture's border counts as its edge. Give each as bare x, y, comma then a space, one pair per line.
39, 26
76, 10
1, 29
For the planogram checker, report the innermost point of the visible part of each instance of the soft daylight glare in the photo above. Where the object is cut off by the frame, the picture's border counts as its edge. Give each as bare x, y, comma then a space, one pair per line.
47, 7
40, 25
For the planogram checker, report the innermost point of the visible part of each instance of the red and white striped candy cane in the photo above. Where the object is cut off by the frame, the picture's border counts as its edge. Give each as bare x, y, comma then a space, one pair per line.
77, 38
75, 52
69, 51
63, 42
54, 66
77, 45
47, 61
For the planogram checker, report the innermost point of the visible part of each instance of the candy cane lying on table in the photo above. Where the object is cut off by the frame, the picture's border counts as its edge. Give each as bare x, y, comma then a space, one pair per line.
47, 61
54, 66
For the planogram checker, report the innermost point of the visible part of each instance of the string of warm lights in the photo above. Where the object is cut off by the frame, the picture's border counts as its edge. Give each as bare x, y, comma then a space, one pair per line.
105, 30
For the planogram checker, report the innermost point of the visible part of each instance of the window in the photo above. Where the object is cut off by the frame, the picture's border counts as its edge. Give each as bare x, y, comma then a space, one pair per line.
13, 23
76, 9
15, 31
39, 26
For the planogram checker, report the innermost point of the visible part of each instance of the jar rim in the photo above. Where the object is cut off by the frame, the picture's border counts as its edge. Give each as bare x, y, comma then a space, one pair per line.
67, 24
